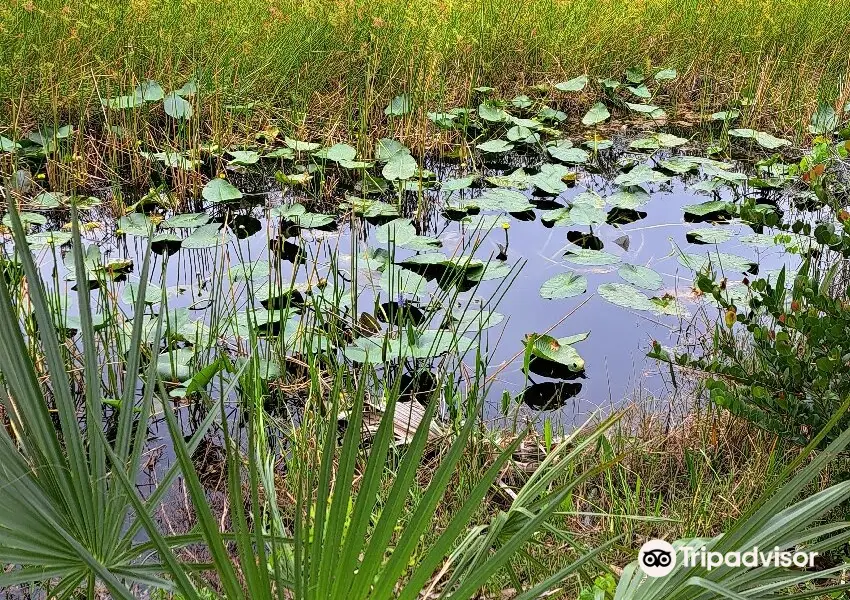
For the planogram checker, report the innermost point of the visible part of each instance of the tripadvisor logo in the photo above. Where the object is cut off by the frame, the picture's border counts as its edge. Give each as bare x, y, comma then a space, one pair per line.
657, 558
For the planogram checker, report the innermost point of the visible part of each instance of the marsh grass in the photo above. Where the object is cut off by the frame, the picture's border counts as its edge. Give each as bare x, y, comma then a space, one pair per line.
329, 68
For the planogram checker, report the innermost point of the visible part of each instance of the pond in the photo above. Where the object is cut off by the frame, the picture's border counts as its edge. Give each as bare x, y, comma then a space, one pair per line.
586, 253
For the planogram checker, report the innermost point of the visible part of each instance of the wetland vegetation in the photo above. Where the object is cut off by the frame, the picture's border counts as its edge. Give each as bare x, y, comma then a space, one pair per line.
422, 300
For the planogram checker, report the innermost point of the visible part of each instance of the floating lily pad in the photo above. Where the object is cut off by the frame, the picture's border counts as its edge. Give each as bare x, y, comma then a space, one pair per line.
399, 106
491, 113
460, 183
505, 200
27, 219
721, 262
186, 221
396, 280
495, 146
244, 158
564, 285
706, 208
641, 276
565, 152
206, 236
594, 258
48, 238
597, 114
763, 139
710, 235
640, 175
400, 166
220, 190
177, 107
137, 224
471, 319
557, 350
576, 84
300, 146
625, 295
399, 231
628, 199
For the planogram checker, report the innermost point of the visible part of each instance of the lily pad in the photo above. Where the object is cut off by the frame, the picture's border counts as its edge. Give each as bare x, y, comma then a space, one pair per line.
400, 231
206, 236
244, 158
711, 235
640, 175
186, 221
495, 146
565, 152
459, 183
400, 166
177, 107
399, 106
597, 114
594, 258
220, 190
564, 285
625, 295
721, 262
628, 199
576, 84
706, 208
396, 280
557, 350
300, 146
763, 139
641, 276
505, 200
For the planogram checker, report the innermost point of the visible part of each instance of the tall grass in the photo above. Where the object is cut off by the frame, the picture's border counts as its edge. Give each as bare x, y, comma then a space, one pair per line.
333, 64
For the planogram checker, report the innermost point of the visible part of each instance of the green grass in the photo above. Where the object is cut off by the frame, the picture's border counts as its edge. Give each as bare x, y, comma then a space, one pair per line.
332, 66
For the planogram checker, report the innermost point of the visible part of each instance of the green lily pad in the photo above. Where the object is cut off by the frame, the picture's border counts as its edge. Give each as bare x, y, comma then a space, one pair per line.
495, 146
491, 113
564, 285
640, 175
459, 183
597, 114
625, 295
153, 293
220, 190
721, 262
628, 199
711, 235
576, 84
400, 231
706, 208
557, 350
505, 200
186, 221
300, 146
387, 148
594, 258
565, 152
177, 107
400, 166
763, 139
399, 106
641, 276
206, 236
244, 158
137, 224
48, 238
397, 280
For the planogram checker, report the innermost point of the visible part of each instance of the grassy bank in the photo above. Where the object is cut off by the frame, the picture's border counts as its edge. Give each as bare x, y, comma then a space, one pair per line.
332, 66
